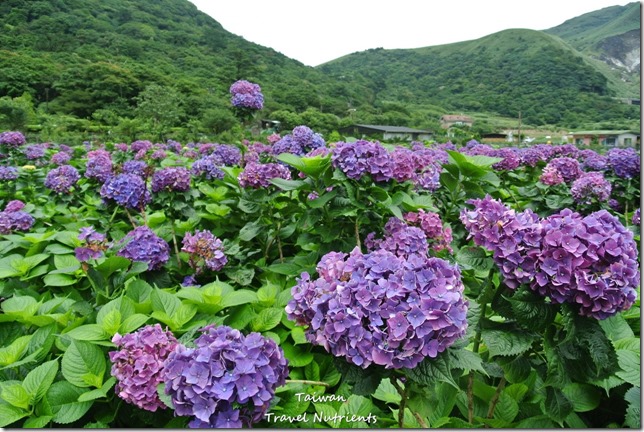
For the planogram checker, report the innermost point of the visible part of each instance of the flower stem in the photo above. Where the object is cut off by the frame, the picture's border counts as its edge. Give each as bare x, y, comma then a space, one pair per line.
176, 248
308, 382
495, 398
403, 400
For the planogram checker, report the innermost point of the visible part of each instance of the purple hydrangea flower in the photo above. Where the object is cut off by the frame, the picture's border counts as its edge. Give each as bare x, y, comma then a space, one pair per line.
227, 380
625, 163
139, 365
226, 154
12, 139
174, 146
589, 187
62, 179
171, 179
404, 164
60, 158
593, 161
514, 238
245, 94
34, 151
12, 218
99, 165
363, 157
257, 175
589, 261
205, 250
438, 237
140, 146
128, 190
136, 167
94, 243
208, 167
567, 167
8, 173
551, 176
400, 239
142, 244
379, 308
158, 154
636, 219
300, 141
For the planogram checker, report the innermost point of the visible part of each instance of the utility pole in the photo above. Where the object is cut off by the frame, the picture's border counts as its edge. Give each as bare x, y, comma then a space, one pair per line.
519, 134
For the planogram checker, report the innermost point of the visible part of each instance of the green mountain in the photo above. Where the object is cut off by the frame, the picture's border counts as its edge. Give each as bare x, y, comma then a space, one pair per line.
162, 67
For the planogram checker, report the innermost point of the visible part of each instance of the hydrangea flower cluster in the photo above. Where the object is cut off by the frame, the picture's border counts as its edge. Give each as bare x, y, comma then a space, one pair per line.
300, 141
136, 167
142, 244
400, 239
13, 218
514, 238
12, 139
593, 161
60, 158
404, 164
591, 186
34, 151
226, 154
94, 243
8, 173
62, 179
245, 94
227, 380
363, 157
551, 176
567, 167
99, 165
379, 308
625, 163
438, 236
138, 365
636, 219
589, 261
258, 175
208, 167
128, 190
172, 179
255, 150
205, 250
140, 146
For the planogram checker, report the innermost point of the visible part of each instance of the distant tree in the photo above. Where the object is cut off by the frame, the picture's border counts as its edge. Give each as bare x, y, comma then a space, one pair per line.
16, 113
161, 107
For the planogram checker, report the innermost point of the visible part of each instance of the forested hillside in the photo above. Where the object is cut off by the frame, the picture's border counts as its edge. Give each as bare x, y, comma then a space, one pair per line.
162, 67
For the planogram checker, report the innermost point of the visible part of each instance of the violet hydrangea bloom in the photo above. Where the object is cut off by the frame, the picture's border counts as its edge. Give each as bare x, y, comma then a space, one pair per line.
142, 244
137, 167
98, 165
591, 186
12, 139
128, 190
13, 218
636, 219
226, 154
300, 141
139, 364
205, 250
171, 179
551, 176
227, 380
258, 175
141, 146
60, 158
625, 163
207, 167
62, 179
363, 157
589, 261
94, 243
379, 308
438, 237
567, 167
34, 151
245, 94
8, 173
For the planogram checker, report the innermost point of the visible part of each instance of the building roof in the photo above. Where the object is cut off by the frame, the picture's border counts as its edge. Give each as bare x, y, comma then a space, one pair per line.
394, 129
604, 132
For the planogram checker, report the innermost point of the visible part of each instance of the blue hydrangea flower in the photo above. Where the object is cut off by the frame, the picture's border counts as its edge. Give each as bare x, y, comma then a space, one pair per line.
62, 179
128, 190
142, 244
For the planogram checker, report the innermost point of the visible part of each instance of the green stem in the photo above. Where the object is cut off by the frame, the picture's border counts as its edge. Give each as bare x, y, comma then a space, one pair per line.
357, 233
495, 398
308, 382
475, 349
403, 400
176, 247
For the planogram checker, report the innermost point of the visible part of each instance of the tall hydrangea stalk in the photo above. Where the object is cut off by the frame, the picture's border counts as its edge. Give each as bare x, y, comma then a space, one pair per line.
139, 363
13, 218
205, 250
245, 94
142, 244
227, 380
380, 308
62, 179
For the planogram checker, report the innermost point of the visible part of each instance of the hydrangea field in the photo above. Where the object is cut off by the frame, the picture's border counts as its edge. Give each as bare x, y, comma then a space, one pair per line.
291, 282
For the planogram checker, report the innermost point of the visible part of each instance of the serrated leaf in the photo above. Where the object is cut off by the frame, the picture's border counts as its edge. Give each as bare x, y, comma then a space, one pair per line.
38, 381
59, 280
10, 414
507, 341
238, 297
387, 393
83, 364
14, 393
557, 406
506, 408
165, 302
63, 402
12, 353
132, 323
111, 321
633, 417
431, 371
88, 332
297, 356
37, 422
267, 319
584, 397
165, 398
629, 363
99, 392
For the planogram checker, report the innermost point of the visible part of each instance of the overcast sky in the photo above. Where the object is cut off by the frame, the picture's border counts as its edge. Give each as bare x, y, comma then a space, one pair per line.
315, 31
